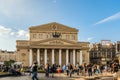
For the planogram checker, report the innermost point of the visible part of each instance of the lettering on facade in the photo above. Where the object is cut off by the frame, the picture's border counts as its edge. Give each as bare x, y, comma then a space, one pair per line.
56, 42
23, 43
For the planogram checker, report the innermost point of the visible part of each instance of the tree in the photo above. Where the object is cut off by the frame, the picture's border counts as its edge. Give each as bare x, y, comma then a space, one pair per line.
9, 63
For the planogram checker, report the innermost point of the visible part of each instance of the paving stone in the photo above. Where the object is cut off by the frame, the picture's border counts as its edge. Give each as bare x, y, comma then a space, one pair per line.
62, 76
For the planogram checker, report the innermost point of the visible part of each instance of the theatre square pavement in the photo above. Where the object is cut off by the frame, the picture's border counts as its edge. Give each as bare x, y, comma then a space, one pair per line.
61, 76
40, 76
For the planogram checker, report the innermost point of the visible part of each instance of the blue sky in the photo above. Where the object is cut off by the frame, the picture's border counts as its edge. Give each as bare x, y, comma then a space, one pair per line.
96, 19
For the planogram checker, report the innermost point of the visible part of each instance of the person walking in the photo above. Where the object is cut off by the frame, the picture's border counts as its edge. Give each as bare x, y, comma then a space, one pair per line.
78, 69
35, 71
67, 70
70, 70
31, 70
47, 70
89, 70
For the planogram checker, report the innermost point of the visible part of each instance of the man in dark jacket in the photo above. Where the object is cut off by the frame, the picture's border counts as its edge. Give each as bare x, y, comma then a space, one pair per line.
35, 72
70, 69
89, 69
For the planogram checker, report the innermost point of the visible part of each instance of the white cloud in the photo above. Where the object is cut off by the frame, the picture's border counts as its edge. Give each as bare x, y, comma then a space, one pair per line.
9, 36
90, 38
110, 18
12, 33
4, 30
9, 32
22, 33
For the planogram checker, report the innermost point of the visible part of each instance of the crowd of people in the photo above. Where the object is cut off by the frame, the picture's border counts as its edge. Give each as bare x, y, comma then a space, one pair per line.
69, 69
14, 70
84, 70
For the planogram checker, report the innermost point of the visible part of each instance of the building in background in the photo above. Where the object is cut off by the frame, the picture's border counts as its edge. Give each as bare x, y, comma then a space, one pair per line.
52, 43
103, 52
7, 55
118, 47
118, 50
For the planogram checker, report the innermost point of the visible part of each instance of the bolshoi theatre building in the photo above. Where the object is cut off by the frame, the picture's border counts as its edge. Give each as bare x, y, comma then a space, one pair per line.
52, 43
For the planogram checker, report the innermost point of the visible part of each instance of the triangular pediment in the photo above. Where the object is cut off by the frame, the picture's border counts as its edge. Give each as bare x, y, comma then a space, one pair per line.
54, 42
53, 27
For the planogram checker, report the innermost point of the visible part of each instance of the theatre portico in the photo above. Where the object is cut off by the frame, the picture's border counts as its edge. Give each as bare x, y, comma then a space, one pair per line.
52, 43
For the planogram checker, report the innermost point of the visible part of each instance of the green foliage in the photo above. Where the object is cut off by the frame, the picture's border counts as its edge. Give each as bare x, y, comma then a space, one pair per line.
41, 71
8, 63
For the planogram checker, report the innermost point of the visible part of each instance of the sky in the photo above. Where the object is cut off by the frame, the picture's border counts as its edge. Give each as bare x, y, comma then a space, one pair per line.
95, 19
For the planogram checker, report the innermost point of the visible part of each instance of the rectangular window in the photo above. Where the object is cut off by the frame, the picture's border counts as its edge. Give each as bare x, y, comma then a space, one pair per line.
40, 36
34, 36
67, 36
73, 37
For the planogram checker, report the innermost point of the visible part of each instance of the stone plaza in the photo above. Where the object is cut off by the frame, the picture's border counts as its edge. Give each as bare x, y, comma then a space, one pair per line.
62, 76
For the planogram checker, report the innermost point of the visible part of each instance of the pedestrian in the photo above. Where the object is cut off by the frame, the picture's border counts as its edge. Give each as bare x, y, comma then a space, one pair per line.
89, 70
67, 70
64, 68
31, 70
115, 75
52, 70
101, 68
70, 70
78, 69
47, 70
35, 71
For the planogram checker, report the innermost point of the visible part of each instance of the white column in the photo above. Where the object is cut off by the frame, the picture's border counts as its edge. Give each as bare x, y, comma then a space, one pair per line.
74, 57
67, 57
38, 56
30, 57
60, 57
45, 56
53, 59
80, 57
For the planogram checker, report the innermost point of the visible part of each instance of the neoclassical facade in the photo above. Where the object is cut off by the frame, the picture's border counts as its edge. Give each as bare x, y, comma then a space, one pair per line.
52, 43
7, 55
